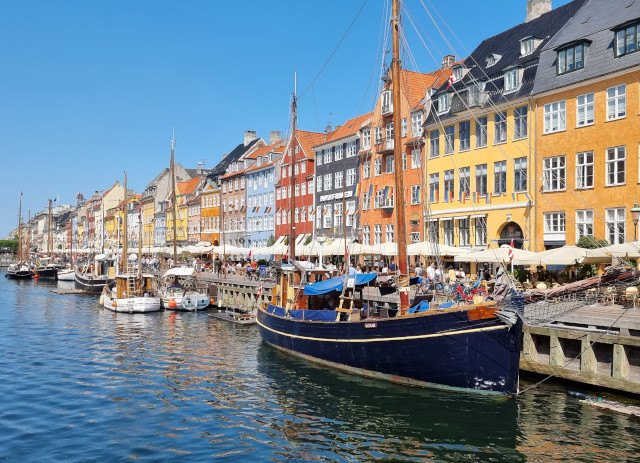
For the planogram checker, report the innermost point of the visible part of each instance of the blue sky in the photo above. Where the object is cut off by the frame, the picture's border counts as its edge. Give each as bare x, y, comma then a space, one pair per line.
93, 88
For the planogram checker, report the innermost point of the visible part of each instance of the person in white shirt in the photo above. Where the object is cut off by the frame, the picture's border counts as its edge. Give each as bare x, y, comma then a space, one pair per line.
431, 271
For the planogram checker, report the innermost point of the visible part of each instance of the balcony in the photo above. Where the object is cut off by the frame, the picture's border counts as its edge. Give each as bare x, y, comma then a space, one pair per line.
386, 146
387, 109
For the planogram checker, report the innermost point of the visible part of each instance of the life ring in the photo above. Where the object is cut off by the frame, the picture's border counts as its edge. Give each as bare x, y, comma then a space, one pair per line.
294, 306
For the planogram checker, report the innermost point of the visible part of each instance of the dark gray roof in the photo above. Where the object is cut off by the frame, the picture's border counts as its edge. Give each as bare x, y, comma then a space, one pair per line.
507, 46
220, 169
593, 23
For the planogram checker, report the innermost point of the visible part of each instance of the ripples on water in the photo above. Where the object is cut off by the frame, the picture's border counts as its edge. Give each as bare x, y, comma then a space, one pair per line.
80, 383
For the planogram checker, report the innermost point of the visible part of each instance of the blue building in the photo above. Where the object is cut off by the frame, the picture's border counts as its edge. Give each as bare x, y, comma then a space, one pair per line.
261, 202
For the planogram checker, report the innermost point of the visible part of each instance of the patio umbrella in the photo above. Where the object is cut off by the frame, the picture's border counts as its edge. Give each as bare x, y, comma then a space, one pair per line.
495, 255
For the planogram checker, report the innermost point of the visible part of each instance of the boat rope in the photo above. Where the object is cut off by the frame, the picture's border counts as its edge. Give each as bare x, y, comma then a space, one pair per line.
566, 364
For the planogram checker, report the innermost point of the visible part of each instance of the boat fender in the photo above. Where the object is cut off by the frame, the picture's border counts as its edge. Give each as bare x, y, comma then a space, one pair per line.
101, 299
172, 303
36, 276
114, 303
211, 301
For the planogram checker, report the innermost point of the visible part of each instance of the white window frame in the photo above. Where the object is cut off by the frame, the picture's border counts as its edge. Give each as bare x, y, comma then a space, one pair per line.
616, 162
389, 233
617, 102
585, 110
585, 170
555, 116
511, 80
616, 225
554, 174
584, 223
416, 159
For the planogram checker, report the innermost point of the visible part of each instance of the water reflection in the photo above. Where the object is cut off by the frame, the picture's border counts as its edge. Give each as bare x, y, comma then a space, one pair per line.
369, 420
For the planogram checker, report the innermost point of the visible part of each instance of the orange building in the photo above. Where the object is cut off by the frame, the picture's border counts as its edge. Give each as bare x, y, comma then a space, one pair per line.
376, 159
210, 213
587, 96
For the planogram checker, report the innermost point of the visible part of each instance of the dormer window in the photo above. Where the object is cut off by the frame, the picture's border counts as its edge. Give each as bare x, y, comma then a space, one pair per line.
492, 59
474, 93
511, 80
457, 73
444, 103
528, 45
571, 58
628, 39
387, 102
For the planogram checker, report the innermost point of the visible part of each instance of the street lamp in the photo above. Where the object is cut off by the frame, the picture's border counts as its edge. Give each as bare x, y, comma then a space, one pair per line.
635, 214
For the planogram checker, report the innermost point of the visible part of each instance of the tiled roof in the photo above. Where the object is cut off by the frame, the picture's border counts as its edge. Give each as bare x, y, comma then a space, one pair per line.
187, 187
352, 126
414, 85
593, 22
308, 140
267, 164
234, 155
264, 150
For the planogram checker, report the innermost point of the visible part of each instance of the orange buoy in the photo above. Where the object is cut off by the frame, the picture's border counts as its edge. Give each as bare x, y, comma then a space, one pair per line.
36, 276
114, 303
211, 301
172, 303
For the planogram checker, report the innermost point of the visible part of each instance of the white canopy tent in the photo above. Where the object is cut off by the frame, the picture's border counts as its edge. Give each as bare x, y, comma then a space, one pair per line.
495, 255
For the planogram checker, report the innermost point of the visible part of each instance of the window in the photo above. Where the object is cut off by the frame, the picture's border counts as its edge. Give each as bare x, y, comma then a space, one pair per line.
520, 174
492, 59
387, 102
404, 161
377, 135
527, 45
319, 158
296, 215
465, 135
554, 173
328, 156
584, 223
447, 232
366, 169
297, 192
628, 40
284, 172
616, 225
444, 102
415, 194
434, 232
389, 233
616, 102
296, 169
284, 192
405, 127
389, 164
328, 180
463, 232
448, 185
377, 234
318, 183
366, 201
500, 177
378, 201
326, 216
555, 118
481, 180
434, 187
500, 127
416, 124
388, 131
366, 139
512, 80
616, 161
415, 237
554, 222
337, 215
585, 109
449, 135
339, 153
377, 167
481, 132
303, 188
366, 234
338, 179
351, 209
520, 123
352, 148
464, 175
434, 144
416, 161
481, 231
351, 176
303, 169
571, 58
584, 170
310, 186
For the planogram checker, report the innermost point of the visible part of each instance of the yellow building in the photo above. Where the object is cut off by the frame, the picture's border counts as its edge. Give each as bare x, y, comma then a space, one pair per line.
148, 230
587, 95
183, 190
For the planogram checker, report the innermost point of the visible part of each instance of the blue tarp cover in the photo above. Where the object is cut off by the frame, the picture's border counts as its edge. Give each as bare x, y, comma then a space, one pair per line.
335, 284
314, 315
275, 310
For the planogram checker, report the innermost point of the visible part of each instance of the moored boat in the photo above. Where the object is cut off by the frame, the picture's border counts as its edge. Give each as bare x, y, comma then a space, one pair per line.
131, 293
67, 274
92, 278
19, 271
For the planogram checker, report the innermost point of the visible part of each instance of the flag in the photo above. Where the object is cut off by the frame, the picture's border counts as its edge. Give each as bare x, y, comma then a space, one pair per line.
267, 210
437, 196
450, 81
511, 251
475, 196
259, 292
249, 253
526, 195
513, 195
356, 189
488, 198
371, 190
451, 196
357, 212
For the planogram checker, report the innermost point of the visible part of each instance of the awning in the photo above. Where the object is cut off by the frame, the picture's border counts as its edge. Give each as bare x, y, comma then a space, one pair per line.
335, 284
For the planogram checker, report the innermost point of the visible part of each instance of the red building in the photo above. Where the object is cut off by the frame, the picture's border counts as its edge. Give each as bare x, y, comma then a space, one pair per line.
297, 165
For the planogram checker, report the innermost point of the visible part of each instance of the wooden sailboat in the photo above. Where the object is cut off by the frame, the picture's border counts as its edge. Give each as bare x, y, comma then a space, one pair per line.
20, 269
132, 291
49, 271
461, 347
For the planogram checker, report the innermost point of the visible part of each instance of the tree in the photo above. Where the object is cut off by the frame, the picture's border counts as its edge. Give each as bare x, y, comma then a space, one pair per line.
589, 242
271, 241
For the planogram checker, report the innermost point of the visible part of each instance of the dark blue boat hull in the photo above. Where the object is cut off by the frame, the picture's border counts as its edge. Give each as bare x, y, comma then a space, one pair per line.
445, 350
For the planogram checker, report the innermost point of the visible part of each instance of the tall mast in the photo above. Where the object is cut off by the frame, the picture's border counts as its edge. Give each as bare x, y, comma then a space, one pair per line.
20, 229
173, 202
140, 238
125, 226
50, 231
403, 281
292, 228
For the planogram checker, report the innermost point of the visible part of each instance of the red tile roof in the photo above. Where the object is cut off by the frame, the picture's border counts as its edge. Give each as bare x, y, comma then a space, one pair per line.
350, 127
308, 140
185, 188
414, 85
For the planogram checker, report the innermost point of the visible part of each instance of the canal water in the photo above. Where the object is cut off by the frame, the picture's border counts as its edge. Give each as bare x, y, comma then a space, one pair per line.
79, 383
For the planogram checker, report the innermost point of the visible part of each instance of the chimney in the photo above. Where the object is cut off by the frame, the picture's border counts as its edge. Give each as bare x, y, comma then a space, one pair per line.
274, 136
338, 127
327, 129
536, 8
199, 171
447, 61
249, 136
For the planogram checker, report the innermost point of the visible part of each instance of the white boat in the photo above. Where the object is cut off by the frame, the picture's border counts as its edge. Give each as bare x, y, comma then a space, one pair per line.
67, 274
131, 293
176, 293
194, 300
